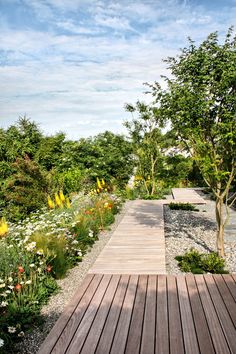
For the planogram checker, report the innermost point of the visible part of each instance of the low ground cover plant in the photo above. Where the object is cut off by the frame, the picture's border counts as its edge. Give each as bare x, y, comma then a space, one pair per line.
40, 249
200, 263
182, 206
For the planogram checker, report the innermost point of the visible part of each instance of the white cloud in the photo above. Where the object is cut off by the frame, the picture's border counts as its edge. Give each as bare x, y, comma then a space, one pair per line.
95, 56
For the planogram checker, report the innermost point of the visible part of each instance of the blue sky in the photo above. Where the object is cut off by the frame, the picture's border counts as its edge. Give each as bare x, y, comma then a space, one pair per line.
71, 65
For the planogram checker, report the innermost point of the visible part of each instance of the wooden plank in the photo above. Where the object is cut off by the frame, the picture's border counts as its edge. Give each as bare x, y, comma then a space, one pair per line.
202, 330
99, 321
189, 334
149, 321
225, 320
65, 317
84, 326
108, 332
142, 228
162, 325
231, 284
121, 334
175, 328
135, 330
217, 335
226, 296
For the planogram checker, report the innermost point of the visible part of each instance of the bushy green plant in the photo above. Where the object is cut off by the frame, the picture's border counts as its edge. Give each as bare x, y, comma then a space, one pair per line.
199, 263
182, 206
53, 247
25, 285
212, 263
25, 190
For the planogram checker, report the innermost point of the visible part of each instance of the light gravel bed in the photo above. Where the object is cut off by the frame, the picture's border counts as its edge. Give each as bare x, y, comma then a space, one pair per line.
188, 229
68, 286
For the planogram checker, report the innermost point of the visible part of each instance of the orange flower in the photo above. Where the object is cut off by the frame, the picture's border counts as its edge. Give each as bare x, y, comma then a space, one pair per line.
49, 268
21, 269
18, 287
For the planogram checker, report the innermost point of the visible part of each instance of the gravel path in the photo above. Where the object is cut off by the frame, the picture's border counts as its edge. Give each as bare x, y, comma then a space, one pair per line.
189, 229
68, 285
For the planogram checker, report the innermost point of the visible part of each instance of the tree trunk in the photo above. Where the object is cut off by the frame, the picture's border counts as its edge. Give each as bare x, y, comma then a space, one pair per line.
146, 187
220, 226
153, 175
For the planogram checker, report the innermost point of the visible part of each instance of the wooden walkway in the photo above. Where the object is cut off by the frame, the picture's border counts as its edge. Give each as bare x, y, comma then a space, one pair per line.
154, 314
137, 246
187, 195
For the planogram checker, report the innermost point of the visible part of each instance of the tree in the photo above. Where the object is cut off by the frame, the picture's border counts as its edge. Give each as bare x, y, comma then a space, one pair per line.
108, 156
200, 102
26, 190
147, 141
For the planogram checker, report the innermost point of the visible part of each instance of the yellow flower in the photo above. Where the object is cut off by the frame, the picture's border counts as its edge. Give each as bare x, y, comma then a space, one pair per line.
68, 204
51, 205
99, 183
103, 182
58, 200
3, 227
62, 197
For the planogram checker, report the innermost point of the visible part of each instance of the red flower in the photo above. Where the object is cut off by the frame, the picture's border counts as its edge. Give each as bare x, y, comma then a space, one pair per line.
21, 269
18, 287
49, 268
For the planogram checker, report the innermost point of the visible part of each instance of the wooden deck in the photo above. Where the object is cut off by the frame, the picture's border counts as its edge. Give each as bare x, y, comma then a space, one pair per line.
137, 246
187, 195
147, 314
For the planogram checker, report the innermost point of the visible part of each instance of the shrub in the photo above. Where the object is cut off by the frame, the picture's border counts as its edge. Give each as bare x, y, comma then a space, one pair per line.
25, 191
200, 263
182, 206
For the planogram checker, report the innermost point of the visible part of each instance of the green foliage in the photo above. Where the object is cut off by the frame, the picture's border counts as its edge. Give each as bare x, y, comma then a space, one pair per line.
72, 180
200, 263
182, 206
147, 142
38, 250
200, 103
25, 190
53, 247
212, 263
107, 156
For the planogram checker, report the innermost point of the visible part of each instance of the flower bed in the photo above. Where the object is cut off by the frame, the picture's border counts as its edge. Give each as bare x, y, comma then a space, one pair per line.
43, 247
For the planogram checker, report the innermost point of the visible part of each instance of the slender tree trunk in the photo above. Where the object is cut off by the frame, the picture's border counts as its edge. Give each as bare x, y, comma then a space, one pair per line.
153, 175
220, 226
146, 187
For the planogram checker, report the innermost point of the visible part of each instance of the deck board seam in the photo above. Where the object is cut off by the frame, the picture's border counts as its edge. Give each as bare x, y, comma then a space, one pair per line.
223, 299
119, 313
95, 313
108, 313
180, 315
87, 305
218, 313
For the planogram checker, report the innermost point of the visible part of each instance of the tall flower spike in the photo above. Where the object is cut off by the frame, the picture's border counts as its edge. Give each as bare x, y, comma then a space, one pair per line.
3, 227
62, 197
99, 183
58, 200
51, 205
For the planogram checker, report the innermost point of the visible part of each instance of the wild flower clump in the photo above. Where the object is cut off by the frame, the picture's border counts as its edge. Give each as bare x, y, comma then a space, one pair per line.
59, 201
35, 251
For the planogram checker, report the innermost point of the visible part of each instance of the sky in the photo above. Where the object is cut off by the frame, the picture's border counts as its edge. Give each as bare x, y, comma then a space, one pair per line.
71, 65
